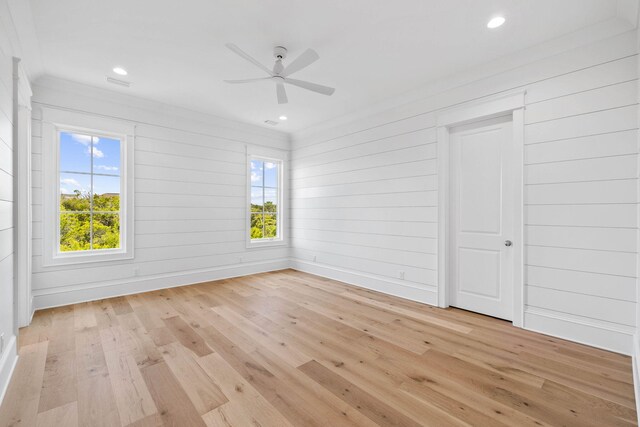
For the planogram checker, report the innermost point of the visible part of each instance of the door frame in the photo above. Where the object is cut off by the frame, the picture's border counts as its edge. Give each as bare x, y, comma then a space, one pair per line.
485, 108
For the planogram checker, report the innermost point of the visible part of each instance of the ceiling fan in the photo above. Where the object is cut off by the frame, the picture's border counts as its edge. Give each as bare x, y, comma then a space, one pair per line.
280, 74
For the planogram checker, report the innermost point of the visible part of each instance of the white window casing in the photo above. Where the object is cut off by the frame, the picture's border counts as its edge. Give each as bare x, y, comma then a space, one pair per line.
279, 158
55, 121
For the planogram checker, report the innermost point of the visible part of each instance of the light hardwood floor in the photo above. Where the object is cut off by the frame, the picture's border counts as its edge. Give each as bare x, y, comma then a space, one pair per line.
288, 348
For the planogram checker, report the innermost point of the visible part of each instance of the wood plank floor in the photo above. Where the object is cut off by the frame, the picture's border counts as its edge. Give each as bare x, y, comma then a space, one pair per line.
291, 349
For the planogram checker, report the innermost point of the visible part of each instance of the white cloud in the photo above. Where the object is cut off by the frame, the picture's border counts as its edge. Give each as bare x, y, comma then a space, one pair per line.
69, 185
96, 152
255, 177
86, 141
270, 165
107, 168
70, 181
81, 139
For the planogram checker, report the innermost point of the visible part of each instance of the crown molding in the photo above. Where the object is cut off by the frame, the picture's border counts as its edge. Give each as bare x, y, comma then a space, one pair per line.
106, 95
583, 37
18, 19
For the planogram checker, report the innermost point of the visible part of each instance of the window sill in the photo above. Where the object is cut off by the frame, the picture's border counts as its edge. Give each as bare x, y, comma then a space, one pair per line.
70, 258
264, 243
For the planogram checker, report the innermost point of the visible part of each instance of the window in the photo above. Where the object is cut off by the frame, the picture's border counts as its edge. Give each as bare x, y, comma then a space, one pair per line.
265, 204
88, 210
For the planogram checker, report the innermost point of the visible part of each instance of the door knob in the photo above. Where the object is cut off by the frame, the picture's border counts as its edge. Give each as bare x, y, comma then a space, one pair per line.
508, 243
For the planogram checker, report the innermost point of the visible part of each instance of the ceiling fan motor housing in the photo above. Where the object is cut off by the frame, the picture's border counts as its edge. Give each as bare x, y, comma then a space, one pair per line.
279, 52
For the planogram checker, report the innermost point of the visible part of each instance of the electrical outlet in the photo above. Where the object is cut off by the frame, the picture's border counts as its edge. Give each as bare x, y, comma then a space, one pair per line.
401, 274
240, 260
315, 258
136, 271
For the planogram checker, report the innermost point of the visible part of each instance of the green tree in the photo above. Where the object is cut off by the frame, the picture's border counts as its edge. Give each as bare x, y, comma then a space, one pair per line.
264, 221
76, 221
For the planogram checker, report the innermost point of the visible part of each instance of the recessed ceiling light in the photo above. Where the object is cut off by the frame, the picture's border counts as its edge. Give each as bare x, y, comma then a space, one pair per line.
283, 118
496, 22
121, 71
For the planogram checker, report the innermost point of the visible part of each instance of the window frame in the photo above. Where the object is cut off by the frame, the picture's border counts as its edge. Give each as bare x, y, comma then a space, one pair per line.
280, 208
54, 122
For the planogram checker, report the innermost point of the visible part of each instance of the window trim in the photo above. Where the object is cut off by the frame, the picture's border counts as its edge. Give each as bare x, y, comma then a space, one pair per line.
280, 217
53, 122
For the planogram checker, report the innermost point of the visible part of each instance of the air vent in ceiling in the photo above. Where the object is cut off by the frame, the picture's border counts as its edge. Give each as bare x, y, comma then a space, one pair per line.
271, 122
118, 82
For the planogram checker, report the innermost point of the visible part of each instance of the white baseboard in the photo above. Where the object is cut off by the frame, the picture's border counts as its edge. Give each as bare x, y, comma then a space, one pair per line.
595, 333
611, 337
7, 365
636, 372
46, 298
618, 338
26, 318
426, 295
33, 310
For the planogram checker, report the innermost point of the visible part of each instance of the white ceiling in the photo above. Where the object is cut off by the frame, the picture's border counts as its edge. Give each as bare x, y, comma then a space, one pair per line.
370, 50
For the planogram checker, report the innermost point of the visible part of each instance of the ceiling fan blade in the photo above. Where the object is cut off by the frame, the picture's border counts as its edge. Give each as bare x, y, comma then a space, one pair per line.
248, 80
307, 58
246, 56
282, 93
325, 90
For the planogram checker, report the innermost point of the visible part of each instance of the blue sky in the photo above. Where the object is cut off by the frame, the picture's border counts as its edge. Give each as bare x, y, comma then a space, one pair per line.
76, 151
264, 173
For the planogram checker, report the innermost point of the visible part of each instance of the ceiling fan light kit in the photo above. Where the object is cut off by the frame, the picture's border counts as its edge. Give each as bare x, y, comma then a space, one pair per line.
280, 74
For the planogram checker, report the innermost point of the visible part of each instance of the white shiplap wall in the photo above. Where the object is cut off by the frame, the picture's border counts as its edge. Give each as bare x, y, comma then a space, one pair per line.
364, 194
8, 352
190, 199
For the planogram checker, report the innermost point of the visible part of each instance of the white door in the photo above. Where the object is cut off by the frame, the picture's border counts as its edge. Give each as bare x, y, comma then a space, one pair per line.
482, 223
